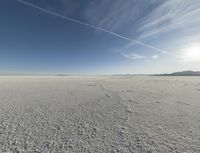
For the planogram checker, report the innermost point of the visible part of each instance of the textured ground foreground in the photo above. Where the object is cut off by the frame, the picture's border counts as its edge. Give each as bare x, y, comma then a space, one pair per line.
100, 114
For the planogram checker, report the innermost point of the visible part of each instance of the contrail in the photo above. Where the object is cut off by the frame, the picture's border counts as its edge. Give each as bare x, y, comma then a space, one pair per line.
95, 27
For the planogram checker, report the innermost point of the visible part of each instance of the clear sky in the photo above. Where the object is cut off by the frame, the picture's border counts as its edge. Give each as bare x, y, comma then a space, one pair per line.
99, 36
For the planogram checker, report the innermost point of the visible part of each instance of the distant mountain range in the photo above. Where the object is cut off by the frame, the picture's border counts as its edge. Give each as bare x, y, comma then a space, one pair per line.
182, 73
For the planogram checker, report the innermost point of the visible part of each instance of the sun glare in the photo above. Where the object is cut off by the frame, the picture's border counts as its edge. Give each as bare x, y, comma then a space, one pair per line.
191, 53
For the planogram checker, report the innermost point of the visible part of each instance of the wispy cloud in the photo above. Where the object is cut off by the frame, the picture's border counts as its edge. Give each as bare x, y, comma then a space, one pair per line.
118, 14
169, 16
136, 56
92, 26
133, 56
154, 56
133, 20
145, 19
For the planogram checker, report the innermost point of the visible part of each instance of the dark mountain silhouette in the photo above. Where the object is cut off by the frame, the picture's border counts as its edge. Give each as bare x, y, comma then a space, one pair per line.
182, 73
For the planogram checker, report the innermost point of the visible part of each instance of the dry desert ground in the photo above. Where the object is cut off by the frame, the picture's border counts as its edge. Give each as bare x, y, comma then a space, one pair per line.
99, 114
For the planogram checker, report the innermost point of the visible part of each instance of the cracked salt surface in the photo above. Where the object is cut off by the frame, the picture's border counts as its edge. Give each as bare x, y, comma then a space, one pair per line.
99, 114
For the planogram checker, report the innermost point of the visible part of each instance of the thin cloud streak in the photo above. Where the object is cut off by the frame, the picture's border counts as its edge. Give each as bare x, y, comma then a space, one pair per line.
95, 27
170, 15
154, 56
133, 56
148, 20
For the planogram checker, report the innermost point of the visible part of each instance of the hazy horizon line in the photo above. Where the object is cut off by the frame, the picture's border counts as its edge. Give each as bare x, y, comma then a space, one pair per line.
89, 74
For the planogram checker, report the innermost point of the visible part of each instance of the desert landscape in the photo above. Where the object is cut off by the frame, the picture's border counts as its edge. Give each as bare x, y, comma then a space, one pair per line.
102, 114
100, 76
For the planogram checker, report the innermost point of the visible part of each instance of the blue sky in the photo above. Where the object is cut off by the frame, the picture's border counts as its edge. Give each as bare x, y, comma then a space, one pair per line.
99, 36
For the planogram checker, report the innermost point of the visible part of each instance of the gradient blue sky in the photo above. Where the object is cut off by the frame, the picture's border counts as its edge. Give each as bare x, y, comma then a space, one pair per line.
119, 36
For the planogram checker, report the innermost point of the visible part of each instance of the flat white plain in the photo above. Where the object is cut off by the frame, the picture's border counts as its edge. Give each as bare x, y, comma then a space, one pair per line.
100, 114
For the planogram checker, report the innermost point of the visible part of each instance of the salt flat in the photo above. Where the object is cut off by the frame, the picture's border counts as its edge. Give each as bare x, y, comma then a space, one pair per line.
100, 114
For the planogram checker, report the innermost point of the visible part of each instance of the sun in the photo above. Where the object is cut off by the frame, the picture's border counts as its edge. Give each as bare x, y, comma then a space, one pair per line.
191, 53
